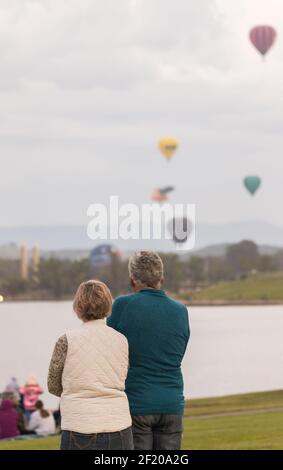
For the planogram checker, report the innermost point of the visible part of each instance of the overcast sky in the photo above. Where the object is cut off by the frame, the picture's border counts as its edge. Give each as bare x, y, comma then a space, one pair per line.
88, 87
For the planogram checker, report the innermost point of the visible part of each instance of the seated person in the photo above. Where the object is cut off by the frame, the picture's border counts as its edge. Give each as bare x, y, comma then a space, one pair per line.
30, 394
42, 421
15, 399
8, 420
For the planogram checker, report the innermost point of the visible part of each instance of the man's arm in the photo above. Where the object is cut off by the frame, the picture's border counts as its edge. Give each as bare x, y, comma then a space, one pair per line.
57, 365
188, 323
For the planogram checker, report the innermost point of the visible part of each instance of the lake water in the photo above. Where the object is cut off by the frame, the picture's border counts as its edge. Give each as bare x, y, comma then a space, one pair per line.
232, 349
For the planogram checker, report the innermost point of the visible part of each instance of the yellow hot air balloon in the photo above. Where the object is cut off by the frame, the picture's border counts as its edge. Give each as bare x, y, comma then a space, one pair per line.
168, 146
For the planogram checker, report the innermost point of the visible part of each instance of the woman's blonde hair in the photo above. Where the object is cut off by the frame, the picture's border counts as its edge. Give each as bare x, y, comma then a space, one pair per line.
93, 301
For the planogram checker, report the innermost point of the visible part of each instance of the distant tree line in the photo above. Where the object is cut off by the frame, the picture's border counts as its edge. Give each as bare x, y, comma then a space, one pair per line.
59, 279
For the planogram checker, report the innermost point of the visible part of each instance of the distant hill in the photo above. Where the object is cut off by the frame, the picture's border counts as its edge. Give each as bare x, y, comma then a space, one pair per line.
11, 251
211, 237
220, 250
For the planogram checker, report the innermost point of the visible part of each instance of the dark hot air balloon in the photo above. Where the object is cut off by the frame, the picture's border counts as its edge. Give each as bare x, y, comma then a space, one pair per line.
180, 229
263, 37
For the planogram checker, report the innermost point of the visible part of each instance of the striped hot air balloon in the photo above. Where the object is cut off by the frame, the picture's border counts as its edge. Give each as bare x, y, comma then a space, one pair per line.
263, 37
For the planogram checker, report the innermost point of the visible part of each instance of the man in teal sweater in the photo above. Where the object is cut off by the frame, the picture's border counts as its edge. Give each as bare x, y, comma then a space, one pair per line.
157, 329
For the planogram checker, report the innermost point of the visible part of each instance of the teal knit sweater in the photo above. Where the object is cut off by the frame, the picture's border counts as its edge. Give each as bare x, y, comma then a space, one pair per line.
157, 329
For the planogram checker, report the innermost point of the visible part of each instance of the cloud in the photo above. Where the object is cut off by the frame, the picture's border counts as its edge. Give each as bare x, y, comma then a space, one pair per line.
88, 87
108, 45
72, 44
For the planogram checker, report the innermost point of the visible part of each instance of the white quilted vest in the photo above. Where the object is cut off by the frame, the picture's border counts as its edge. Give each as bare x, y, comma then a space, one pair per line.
93, 398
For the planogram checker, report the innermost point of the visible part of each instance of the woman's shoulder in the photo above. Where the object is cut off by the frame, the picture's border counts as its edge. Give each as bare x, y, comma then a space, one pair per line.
116, 335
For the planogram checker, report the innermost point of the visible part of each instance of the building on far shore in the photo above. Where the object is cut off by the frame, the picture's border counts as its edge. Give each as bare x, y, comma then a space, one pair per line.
23, 261
35, 262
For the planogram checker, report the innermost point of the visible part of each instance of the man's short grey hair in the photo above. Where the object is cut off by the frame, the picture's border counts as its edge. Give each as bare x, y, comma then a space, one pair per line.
146, 269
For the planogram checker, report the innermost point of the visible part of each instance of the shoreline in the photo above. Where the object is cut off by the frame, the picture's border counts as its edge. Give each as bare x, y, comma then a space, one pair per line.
188, 303
231, 303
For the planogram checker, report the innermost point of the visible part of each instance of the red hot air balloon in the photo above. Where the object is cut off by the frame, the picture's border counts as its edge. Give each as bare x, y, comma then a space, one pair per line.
263, 37
160, 195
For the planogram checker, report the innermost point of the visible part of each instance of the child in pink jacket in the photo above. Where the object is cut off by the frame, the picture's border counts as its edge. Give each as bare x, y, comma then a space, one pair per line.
30, 393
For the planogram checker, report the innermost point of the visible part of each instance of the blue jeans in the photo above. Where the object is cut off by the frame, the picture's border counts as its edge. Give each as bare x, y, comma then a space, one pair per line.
157, 432
121, 440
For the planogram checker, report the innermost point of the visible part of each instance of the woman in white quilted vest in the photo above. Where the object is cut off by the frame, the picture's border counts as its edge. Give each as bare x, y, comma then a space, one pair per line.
88, 370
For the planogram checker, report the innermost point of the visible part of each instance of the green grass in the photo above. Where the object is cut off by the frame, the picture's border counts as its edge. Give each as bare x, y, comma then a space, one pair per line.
258, 428
268, 287
234, 403
263, 431
47, 443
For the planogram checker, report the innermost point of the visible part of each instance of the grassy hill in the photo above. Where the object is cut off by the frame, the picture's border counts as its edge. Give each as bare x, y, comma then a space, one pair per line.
251, 421
258, 288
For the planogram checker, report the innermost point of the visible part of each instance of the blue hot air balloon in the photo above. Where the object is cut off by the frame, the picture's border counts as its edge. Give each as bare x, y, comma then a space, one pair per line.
252, 184
100, 257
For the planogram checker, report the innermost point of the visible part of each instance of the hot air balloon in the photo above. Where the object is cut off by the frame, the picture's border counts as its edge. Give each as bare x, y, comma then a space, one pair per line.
180, 229
161, 195
168, 146
263, 37
101, 256
252, 183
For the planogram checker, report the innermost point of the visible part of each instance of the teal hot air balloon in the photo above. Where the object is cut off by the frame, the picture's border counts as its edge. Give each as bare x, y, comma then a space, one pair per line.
252, 183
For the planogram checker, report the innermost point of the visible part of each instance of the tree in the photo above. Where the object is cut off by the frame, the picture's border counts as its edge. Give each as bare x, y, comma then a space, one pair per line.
173, 272
62, 277
216, 269
266, 263
196, 267
242, 258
